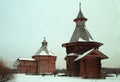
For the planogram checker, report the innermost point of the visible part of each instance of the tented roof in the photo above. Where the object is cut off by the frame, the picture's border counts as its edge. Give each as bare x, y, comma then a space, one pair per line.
80, 14
43, 49
80, 30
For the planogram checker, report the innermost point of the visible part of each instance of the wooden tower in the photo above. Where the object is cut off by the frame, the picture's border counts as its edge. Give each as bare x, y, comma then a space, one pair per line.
83, 57
45, 60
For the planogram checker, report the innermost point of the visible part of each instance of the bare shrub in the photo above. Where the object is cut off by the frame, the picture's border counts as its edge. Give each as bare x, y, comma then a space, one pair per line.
5, 71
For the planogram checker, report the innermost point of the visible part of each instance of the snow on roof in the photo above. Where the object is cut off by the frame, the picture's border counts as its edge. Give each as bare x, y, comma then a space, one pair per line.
42, 53
51, 53
43, 50
30, 59
72, 54
83, 55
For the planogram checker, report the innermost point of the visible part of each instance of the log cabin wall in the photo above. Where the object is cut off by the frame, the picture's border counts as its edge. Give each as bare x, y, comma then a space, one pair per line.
72, 67
80, 47
41, 65
26, 67
45, 64
90, 67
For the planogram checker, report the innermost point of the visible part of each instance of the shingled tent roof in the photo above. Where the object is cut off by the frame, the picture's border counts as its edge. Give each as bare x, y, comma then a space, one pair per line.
80, 30
43, 50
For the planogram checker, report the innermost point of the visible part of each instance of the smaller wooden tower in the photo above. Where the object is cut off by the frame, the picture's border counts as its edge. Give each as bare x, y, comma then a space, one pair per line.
45, 60
83, 57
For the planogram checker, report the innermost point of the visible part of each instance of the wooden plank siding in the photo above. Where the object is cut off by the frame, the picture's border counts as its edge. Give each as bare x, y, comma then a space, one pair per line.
90, 67
41, 65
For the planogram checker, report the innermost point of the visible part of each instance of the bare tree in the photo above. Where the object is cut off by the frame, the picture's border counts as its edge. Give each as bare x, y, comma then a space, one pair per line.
5, 71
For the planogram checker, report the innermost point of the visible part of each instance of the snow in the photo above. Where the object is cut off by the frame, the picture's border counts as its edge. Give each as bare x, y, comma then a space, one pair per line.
43, 53
51, 78
26, 59
80, 55
83, 55
51, 53
72, 54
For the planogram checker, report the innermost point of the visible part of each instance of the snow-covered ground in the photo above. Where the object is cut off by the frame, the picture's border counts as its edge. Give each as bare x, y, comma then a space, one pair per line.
51, 78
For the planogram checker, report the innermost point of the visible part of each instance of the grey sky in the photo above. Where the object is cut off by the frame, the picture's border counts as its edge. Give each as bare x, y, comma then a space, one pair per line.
24, 24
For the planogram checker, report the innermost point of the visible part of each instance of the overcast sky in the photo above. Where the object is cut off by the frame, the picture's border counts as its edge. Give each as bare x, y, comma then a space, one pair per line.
24, 24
